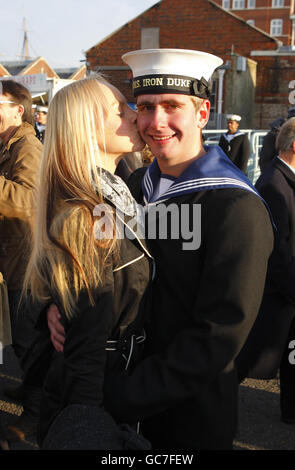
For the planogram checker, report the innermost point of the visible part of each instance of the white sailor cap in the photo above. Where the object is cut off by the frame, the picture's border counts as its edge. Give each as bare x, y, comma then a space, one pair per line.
178, 71
42, 109
233, 117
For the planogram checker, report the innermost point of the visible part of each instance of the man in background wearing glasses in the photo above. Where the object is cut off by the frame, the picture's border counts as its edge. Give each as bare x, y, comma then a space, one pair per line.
20, 153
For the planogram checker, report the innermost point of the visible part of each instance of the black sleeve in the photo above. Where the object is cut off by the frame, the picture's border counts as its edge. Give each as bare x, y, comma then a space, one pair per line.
282, 261
239, 241
268, 150
84, 351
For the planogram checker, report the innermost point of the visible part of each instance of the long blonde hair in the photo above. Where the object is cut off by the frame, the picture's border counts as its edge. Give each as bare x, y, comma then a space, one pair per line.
66, 258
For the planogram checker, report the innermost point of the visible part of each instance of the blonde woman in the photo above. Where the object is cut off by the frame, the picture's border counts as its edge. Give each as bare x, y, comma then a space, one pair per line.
82, 263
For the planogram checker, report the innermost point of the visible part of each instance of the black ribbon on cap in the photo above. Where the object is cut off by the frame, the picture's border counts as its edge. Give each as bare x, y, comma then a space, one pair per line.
164, 83
201, 88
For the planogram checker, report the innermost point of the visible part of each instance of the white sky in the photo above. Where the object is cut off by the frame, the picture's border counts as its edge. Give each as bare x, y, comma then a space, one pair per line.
60, 30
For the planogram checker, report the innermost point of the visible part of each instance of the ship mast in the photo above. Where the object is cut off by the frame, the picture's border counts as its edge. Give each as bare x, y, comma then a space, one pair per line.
25, 49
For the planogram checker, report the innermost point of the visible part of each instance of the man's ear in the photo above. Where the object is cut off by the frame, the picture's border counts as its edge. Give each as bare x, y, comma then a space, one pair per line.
203, 114
20, 110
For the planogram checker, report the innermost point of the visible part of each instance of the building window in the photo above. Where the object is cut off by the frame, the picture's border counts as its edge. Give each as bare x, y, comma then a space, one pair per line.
276, 27
251, 22
251, 4
226, 4
238, 4
277, 3
149, 38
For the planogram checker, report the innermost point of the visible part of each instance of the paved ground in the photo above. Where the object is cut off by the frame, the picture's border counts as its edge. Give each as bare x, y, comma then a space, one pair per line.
260, 427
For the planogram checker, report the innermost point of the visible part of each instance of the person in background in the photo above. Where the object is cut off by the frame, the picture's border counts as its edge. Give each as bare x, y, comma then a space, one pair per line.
235, 143
34, 106
268, 150
40, 122
20, 154
267, 348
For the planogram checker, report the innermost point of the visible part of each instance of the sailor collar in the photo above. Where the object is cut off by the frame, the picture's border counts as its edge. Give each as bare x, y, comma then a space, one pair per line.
230, 137
214, 170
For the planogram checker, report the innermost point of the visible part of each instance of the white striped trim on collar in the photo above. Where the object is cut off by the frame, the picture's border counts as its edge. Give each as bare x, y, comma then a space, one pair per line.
202, 183
148, 183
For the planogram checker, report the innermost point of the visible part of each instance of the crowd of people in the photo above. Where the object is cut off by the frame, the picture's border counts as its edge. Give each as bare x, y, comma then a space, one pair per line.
130, 332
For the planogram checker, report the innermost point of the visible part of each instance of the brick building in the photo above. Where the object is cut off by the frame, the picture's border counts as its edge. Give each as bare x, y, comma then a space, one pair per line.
275, 17
274, 87
245, 84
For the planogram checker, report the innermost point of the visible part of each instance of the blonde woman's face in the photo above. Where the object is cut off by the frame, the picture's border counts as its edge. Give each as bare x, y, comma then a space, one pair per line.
121, 134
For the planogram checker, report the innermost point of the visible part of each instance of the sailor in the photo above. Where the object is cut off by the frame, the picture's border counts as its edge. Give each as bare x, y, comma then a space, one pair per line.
40, 122
268, 150
205, 299
235, 143
206, 293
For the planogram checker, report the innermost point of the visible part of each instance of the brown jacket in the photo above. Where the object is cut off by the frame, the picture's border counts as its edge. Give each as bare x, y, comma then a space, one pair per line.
19, 166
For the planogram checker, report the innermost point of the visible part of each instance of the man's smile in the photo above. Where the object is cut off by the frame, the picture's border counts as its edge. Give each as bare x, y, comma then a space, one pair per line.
162, 138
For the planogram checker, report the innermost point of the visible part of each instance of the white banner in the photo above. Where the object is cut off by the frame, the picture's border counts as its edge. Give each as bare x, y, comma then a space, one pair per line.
34, 83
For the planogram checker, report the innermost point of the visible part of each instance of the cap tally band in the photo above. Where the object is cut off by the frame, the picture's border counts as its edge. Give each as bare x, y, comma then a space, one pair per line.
156, 84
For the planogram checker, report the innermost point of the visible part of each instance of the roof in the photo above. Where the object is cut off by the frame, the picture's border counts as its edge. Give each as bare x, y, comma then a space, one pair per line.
4, 69
34, 62
279, 43
14, 67
22, 67
65, 72
118, 29
69, 72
